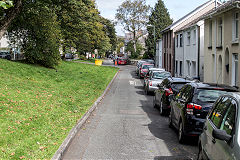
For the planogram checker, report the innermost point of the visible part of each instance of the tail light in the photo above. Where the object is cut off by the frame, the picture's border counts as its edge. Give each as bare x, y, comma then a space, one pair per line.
150, 83
168, 92
191, 107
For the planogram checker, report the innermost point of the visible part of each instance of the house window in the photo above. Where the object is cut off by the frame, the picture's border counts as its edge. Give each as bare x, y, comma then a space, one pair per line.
176, 67
181, 40
194, 36
235, 26
188, 38
220, 29
210, 33
235, 69
177, 41
180, 68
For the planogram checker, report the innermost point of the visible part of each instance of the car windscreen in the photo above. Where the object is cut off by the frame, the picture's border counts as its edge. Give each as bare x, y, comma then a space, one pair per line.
147, 66
161, 75
177, 86
207, 95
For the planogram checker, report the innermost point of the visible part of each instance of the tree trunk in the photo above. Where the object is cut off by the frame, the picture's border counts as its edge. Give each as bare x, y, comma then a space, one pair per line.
134, 42
11, 14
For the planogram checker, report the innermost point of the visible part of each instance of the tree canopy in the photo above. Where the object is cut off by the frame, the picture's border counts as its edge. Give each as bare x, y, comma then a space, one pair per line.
41, 27
160, 18
133, 15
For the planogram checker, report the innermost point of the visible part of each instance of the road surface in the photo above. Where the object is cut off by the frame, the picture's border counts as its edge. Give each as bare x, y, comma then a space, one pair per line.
126, 126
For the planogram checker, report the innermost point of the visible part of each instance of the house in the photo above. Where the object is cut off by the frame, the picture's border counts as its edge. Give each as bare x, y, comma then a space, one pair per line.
168, 35
221, 41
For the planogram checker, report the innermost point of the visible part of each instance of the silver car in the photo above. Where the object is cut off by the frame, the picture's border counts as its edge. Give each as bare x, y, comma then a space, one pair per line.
220, 139
156, 78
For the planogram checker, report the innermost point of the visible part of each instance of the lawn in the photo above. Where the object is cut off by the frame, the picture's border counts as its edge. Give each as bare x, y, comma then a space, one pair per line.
91, 60
39, 106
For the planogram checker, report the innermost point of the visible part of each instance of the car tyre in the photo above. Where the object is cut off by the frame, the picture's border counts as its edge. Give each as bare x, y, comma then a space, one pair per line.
161, 110
200, 154
170, 120
181, 136
154, 102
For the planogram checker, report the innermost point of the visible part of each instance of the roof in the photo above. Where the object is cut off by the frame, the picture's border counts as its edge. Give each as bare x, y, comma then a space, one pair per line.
194, 22
224, 7
181, 19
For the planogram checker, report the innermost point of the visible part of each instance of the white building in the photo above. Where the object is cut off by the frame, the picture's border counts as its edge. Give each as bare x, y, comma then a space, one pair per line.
158, 57
4, 45
189, 50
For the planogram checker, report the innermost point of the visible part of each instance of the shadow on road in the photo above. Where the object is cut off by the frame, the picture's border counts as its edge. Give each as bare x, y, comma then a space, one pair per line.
160, 129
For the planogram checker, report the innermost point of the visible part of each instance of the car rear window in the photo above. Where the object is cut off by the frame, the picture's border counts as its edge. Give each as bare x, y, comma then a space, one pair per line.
147, 66
207, 95
177, 86
161, 75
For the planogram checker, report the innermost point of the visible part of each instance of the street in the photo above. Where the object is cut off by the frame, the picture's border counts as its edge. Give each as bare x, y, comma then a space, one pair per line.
126, 126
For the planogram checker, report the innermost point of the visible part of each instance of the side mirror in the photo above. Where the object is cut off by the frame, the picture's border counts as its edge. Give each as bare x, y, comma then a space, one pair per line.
221, 135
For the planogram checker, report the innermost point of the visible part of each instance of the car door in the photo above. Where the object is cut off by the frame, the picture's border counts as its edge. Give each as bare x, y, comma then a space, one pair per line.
214, 122
222, 149
175, 105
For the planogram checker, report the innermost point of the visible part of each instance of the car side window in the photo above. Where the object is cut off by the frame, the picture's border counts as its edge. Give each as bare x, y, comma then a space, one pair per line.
219, 111
228, 121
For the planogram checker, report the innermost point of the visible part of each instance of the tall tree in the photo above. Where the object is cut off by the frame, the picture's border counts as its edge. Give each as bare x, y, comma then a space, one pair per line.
160, 18
133, 15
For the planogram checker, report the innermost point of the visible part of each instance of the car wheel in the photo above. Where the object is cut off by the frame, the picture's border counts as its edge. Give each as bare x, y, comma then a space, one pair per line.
181, 133
154, 102
170, 120
161, 110
200, 154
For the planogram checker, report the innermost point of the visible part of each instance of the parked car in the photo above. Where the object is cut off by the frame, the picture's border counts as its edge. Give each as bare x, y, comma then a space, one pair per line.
150, 70
122, 60
144, 69
155, 78
139, 63
69, 56
168, 87
5, 55
191, 105
221, 133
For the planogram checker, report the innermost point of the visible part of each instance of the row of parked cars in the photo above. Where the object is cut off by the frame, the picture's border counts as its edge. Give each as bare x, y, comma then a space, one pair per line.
206, 111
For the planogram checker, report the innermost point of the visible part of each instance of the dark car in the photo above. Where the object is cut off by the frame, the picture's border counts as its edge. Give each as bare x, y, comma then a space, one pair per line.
220, 137
5, 55
168, 87
144, 69
191, 105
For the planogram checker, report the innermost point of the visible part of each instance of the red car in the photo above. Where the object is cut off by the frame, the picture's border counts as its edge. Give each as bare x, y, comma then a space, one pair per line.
144, 69
122, 61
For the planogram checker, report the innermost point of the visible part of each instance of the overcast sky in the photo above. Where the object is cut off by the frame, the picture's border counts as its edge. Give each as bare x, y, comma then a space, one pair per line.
176, 8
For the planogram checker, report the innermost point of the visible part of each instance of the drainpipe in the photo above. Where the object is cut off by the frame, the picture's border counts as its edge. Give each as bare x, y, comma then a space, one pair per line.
198, 44
215, 53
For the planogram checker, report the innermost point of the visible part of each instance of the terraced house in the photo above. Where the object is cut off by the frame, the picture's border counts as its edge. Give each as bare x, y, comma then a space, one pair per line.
168, 35
221, 41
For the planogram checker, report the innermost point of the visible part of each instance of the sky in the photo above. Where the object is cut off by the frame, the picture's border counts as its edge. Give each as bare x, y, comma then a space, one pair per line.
176, 8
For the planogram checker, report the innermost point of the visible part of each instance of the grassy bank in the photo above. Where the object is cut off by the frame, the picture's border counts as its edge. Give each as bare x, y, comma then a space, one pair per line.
39, 106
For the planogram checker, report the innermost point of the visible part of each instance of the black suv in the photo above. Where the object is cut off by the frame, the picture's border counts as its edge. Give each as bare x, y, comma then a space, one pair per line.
191, 105
168, 87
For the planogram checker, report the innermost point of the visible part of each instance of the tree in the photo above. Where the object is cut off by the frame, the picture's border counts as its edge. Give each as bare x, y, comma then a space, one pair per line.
159, 18
133, 15
8, 12
36, 31
130, 48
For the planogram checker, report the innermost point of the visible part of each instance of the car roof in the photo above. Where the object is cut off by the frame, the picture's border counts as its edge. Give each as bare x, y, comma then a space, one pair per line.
156, 69
147, 64
214, 85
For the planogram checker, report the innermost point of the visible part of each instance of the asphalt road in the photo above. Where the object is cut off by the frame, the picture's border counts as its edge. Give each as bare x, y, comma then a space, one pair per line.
126, 126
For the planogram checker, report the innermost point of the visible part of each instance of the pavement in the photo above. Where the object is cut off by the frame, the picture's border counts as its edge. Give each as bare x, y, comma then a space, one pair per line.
126, 126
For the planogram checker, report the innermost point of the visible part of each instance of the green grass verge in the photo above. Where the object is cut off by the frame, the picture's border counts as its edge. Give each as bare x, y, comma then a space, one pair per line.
39, 106
91, 60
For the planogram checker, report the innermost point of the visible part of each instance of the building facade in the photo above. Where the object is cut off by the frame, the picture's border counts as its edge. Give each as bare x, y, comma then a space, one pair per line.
222, 45
189, 50
168, 34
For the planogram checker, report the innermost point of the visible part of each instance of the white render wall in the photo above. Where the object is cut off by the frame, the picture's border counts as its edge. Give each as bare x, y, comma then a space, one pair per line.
158, 58
188, 54
4, 42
